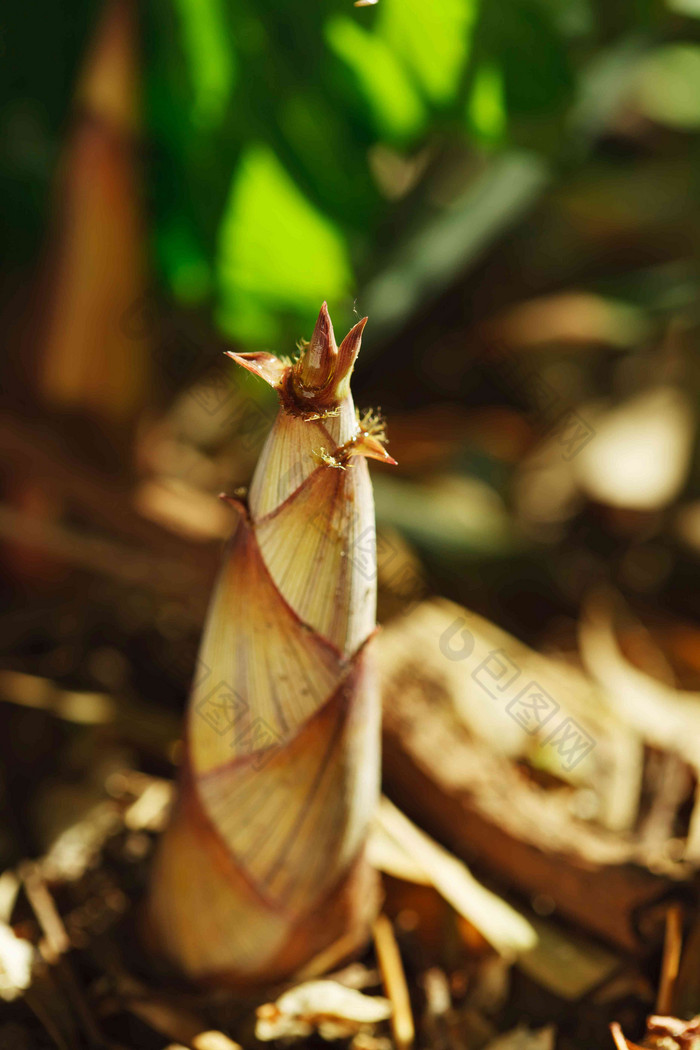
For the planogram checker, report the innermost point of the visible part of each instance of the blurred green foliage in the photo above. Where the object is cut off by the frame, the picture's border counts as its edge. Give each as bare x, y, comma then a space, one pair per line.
322, 151
307, 151
283, 155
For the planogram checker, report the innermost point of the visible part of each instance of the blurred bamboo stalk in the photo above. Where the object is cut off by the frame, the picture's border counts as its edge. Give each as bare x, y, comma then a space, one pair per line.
91, 360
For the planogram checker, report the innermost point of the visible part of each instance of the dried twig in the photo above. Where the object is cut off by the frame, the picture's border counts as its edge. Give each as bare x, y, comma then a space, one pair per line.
671, 959
394, 980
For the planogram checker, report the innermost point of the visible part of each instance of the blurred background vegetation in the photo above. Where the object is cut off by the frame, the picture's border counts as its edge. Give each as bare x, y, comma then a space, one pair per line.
296, 153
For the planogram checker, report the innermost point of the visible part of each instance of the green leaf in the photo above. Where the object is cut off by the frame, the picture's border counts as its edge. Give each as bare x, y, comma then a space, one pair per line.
433, 40
277, 252
206, 39
486, 111
395, 106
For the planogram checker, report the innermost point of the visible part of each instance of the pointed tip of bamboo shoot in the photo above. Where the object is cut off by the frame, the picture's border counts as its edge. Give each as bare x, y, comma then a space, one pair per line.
347, 355
322, 345
315, 368
320, 379
321, 376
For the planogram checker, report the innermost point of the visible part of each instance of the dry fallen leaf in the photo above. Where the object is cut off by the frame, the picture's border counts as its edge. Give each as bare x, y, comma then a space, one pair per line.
151, 809
330, 1009
663, 1033
450, 653
503, 927
16, 958
214, 1041
640, 454
666, 717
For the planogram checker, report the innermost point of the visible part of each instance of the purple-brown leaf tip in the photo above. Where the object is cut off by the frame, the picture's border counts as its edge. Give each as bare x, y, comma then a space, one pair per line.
267, 366
316, 365
321, 376
347, 355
